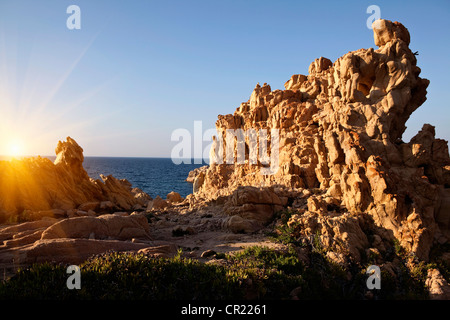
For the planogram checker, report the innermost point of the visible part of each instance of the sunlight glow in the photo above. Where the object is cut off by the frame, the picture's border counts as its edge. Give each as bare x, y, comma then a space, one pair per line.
15, 148
31, 122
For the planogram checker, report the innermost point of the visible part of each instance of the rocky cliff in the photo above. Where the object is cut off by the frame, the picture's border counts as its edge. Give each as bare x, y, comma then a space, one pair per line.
342, 161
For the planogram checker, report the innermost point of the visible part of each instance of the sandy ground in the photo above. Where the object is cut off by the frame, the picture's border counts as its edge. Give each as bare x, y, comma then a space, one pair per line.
200, 231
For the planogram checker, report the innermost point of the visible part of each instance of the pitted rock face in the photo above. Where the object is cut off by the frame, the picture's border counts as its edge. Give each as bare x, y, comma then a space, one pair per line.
385, 31
340, 131
69, 153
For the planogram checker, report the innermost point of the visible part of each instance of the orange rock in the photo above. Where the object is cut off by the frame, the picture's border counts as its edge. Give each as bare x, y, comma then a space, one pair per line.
340, 130
38, 185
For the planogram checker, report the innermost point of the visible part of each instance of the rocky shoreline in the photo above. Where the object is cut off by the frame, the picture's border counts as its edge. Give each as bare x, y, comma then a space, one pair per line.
115, 217
346, 183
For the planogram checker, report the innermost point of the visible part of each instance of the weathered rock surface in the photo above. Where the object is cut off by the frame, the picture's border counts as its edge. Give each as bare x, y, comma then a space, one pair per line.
107, 226
346, 182
64, 250
174, 197
251, 208
238, 224
340, 130
437, 286
73, 240
157, 203
162, 251
194, 173
72, 213
37, 187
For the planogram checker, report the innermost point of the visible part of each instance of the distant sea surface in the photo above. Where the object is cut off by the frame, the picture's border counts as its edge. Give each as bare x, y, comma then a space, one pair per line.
155, 176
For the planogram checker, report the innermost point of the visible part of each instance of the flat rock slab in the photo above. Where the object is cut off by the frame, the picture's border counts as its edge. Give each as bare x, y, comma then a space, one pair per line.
102, 227
75, 251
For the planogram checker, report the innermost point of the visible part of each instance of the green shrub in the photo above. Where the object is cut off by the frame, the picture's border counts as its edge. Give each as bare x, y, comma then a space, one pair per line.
254, 273
125, 276
273, 274
282, 232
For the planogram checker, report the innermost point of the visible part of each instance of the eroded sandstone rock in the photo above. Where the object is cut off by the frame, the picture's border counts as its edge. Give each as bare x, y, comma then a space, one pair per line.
74, 240
109, 226
340, 130
438, 287
157, 203
174, 197
44, 188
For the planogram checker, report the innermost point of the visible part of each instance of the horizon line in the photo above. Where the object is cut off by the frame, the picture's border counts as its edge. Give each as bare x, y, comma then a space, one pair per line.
130, 157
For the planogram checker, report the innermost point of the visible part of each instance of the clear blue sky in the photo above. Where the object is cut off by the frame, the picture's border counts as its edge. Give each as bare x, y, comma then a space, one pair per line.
137, 70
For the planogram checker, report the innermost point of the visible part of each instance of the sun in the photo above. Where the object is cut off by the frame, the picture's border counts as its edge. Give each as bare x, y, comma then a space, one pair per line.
15, 148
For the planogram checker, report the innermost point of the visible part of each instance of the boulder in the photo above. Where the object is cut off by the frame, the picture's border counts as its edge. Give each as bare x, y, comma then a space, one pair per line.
141, 197
88, 206
386, 31
73, 251
248, 194
194, 173
179, 231
157, 203
174, 197
103, 227
237, 224
198, 182
107, 206
438, 287
11, 232
118, 191
72, 240
208, 254
161, 251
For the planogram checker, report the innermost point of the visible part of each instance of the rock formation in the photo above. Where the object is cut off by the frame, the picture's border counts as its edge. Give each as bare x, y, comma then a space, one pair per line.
70, 216
72, 239
36, 187
342, 161
344, 182
438, 287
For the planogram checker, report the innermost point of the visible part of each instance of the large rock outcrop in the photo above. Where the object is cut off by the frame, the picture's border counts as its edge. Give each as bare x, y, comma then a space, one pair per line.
340, 135
42, 188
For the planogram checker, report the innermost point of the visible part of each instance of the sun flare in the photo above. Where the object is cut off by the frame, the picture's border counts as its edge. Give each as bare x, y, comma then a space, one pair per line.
15, 148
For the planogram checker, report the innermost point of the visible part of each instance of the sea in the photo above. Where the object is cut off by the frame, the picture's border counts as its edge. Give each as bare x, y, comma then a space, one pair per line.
155, 176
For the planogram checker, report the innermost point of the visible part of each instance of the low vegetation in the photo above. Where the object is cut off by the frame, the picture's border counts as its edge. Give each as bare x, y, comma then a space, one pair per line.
254, 273
124, 276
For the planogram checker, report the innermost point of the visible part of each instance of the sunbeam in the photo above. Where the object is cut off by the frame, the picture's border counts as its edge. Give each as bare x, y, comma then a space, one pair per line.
28, 118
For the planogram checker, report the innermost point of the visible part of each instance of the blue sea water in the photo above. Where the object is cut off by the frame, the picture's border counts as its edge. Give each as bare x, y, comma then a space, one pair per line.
155, 176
